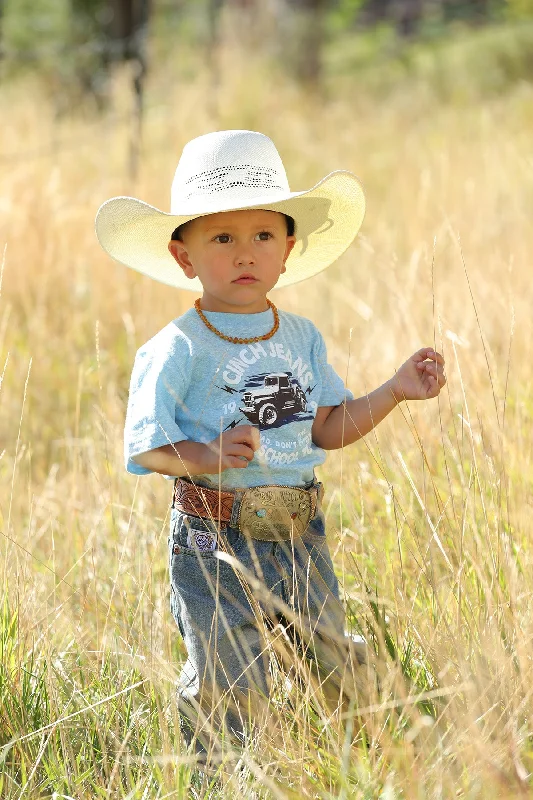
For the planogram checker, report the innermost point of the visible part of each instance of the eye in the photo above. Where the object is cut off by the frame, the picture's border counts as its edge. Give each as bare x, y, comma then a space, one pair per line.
222, 238
263, 236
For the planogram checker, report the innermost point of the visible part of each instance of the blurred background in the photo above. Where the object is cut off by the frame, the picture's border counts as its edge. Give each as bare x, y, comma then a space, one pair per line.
76, 47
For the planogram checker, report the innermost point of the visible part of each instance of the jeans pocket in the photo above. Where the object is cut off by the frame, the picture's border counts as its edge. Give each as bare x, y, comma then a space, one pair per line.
190, 534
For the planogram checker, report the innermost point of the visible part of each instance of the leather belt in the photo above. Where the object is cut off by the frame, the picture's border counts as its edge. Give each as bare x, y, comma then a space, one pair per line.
266, 512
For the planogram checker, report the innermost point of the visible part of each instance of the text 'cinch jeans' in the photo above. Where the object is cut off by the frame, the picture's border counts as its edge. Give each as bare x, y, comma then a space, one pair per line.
221, 603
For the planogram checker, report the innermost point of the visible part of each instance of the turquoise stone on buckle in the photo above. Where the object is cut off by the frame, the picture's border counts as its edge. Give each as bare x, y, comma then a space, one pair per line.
261, 513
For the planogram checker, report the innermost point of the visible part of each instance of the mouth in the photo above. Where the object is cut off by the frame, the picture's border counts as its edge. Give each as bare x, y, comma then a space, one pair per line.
245, 280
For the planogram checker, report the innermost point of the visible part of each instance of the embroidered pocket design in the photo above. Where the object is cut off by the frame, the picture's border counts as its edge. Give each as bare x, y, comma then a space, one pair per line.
205, 541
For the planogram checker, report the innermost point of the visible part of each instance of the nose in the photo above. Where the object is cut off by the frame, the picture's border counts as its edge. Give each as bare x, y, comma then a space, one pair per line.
244, 256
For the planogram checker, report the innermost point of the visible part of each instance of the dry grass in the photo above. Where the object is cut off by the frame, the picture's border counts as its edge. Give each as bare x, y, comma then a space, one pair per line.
431, 516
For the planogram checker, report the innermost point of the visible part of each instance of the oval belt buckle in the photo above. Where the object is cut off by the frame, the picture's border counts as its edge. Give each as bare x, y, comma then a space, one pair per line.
273, 513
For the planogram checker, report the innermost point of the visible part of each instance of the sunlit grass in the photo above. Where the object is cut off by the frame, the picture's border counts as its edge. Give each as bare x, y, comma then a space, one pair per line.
429, 517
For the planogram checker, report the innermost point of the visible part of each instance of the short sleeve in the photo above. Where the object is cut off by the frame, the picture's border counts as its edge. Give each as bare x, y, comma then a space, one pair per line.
333, 391
158, 382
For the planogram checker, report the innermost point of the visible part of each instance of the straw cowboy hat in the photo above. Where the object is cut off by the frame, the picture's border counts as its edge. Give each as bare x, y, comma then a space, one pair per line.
228, 171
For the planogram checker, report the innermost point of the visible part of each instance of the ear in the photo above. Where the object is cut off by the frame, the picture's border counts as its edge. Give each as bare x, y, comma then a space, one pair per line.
291, 241
178, 251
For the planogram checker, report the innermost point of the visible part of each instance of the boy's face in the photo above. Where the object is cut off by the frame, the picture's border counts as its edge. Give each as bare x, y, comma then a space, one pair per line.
237, 255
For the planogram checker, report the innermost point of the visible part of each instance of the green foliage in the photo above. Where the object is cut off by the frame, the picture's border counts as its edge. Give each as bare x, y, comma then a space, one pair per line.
519, 9
33, 695
66, 39
472, 64
343, 15
31, 27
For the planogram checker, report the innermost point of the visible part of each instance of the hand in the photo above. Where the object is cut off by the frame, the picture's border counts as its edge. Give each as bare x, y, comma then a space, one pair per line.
234, 449
421, 377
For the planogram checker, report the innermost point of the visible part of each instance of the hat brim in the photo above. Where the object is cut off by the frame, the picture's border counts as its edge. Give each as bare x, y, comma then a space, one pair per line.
328, 218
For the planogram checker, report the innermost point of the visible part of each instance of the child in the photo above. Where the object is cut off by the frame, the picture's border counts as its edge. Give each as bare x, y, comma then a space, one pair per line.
236, 401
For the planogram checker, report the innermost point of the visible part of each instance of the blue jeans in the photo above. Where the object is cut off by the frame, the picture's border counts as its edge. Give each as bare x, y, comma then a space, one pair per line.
224, 599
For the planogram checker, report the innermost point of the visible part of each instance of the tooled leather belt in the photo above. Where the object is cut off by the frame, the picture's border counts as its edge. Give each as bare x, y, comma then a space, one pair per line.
266, 512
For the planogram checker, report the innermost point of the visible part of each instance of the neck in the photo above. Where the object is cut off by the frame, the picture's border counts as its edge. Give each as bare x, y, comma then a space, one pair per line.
210, 303
238, 339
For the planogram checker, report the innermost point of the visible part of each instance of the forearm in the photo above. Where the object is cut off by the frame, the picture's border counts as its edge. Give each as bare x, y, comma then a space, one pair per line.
346, 424
233, 449
179, 460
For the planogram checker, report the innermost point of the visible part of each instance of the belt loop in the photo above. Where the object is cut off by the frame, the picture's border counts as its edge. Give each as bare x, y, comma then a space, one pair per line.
174, 493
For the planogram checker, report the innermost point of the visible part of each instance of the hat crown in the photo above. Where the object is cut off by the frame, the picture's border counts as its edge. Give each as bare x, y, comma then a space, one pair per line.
228, 166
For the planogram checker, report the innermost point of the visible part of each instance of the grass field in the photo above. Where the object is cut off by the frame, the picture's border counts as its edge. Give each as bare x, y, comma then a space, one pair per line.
430, 517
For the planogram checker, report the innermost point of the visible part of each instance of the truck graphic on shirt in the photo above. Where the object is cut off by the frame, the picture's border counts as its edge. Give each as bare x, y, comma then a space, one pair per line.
280, 395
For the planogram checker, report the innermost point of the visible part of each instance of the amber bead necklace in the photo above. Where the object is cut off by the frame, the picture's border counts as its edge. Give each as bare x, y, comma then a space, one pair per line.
235, 339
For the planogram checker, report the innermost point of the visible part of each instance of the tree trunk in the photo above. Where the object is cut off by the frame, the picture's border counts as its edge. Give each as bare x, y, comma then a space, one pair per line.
308, 31
126, 27
407, 15
126, 34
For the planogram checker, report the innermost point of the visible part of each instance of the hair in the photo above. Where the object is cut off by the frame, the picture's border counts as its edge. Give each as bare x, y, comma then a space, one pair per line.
177, 233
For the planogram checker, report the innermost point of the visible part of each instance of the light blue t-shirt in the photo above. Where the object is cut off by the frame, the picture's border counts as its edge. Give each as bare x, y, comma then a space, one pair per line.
188, 383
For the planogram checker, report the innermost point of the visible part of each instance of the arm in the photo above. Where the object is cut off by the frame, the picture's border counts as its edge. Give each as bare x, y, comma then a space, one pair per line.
419, 378
232, 450
337, 426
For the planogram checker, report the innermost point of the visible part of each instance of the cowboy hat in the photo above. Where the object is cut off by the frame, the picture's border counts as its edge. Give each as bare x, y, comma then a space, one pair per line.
230, 171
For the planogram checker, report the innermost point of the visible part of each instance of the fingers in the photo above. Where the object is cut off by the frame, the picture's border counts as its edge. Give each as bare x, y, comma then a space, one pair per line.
429, 367
245, 434
238, 446
432, 376
432, 365
428, 352
234, 462
239, 450
433, 370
